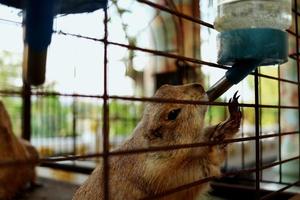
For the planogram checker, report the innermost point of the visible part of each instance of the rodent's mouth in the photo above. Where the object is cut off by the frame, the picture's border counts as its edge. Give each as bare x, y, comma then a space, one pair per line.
205, 97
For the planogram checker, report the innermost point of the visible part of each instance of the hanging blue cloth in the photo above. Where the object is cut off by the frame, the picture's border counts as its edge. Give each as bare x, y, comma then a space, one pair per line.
65, 6
79, 6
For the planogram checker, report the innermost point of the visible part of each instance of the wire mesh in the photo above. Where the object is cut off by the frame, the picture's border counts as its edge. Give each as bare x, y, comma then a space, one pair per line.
57, 130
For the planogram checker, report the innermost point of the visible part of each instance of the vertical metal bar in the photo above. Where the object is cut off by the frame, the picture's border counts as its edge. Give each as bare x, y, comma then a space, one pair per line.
243, 144
194, 27
55, 121
257, 140
97, 135
105, 116
260, 123
42, 120
26, 112
62, 120
74, 124
47, 123
279, 126
298, 66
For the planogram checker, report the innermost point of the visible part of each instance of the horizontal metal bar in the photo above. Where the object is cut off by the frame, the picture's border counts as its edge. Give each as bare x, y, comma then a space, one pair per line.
11, 93
142, 150
68, 167
60, 32
277, 79
204, 180
280, 162
236, 191
250, 180
161, 100
175, 56
295, 11
178, 14
199, 182
169, 55
272, 194
292, 33
143, 99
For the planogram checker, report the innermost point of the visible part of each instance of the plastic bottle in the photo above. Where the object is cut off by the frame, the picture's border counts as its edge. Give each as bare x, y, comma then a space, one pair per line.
240, 14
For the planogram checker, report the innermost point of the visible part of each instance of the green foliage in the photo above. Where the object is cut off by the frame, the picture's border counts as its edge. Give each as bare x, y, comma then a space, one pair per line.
124, 117
50, 118
10, 70
215, 115
10, 76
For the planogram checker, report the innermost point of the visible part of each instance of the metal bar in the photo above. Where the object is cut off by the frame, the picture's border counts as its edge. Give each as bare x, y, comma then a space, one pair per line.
142, 150
279, 126
158, 100
260, 122
169, 55
175, 56
26, 112
248, 181
183, 187
295, 10
105, 115
243, 145
199, 182
236, 191
291, 32
68, 167
206, 24
178, 14
74, 124
257, 135
298, 68
269, 196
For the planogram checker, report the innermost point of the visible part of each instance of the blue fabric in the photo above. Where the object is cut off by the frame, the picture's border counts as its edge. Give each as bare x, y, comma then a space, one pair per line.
79, 6
39, 22
39, 18
65, 6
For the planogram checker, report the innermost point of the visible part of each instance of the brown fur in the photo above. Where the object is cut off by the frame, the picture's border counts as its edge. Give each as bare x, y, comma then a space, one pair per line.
141, 175
14, 177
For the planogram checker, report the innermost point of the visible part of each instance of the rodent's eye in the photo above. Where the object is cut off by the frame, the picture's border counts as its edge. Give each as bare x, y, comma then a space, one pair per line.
173, 114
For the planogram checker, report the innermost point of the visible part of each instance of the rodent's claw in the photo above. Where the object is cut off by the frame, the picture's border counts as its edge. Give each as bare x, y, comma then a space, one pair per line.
234, 105
230, 127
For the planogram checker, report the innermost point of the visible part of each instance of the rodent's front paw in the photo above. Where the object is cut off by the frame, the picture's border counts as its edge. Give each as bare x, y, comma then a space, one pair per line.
227, 129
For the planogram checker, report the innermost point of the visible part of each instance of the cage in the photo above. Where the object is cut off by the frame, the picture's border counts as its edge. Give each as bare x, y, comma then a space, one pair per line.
104, 66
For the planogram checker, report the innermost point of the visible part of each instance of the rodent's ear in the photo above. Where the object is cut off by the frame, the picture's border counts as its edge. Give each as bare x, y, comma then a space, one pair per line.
154, 134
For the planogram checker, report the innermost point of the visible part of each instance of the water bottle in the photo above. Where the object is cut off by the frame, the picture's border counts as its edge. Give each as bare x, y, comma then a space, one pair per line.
252, 34
240, 14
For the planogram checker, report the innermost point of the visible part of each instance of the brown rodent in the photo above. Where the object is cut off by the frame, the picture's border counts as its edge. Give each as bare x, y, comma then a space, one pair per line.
14, 178
145, 174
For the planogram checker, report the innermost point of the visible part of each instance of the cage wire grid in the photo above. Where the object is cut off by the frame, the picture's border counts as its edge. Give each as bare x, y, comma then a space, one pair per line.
27, 93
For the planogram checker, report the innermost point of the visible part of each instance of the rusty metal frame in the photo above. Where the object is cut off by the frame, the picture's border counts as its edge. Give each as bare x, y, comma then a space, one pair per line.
257, 170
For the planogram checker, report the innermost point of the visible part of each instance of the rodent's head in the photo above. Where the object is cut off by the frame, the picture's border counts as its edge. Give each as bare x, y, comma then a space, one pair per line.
174, 123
